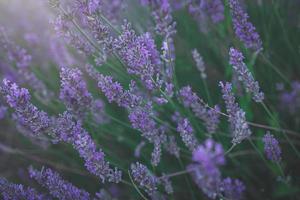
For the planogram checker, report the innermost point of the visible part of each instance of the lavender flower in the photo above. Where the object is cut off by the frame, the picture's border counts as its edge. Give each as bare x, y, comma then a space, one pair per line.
144, 178
11, 191
74, 92
62, 26
58, 187
139, 53
67, 130
236, 60
19, 57
199, 63
233, 189
214, 9
237, 119
162, 14
244, 29
272, 148
186, 132
209, 154
290, 100
113, 90
141, 118
19, 99
205, 171
98, 112
168, 56
205, 11
156, 153
172, 147
209, 116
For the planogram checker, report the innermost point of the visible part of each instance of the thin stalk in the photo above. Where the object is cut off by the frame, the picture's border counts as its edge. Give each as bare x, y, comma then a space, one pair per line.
207, 91
230, 149
275, 69
257, 124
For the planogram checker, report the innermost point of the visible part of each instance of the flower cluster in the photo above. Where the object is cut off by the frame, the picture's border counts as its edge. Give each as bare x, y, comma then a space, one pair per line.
27, 114
237, 118
199, 63
205, 172
140, 55
233, 189
210, 116
144, 178
186, 131
58, 187
162, 14
236, 60
244, 29
113, 90
68, 131
10, 191
272, 148
206, 10
74, 92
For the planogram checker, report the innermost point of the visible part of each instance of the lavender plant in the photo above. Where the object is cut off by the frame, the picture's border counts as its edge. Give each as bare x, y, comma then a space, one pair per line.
112, 99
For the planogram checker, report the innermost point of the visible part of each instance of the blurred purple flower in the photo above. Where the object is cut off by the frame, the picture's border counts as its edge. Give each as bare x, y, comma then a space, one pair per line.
57, 186
11, 191
290, 100
271, 147
162, 13
205, 171
3, 110
199, 63
233, 189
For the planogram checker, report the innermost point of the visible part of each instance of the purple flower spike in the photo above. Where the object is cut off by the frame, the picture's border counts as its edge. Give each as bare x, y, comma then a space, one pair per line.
244, 29
186, 132
140, 55
272, 148
209, 116
236, 60
237, 119
144, 178
74, 92
67, 130
11, 191
57, 186
233, 189
214, 9
199, 63
17, 98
